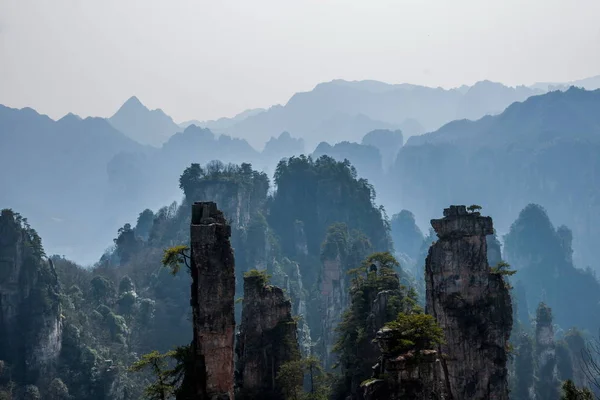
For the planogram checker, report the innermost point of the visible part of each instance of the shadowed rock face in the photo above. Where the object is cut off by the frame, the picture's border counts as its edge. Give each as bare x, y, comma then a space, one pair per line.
30, 324
267, 339
471, 304
334, 302
213, 291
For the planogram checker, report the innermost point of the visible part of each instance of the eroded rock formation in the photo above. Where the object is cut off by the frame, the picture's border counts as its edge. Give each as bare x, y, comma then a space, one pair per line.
408, 376
267, 339
30, 324
213, 291
334, 302
471, 304
547, 383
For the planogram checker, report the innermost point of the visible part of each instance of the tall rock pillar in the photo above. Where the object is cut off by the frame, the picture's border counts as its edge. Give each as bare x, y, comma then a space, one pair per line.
472, 305
268, 339
213, 291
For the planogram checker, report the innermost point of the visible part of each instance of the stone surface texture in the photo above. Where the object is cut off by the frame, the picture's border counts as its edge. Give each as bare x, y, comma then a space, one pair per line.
267, 339
471, 304
30, 323
213, 291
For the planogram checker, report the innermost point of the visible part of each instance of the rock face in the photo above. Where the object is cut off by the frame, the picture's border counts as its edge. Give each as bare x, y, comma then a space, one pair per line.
267, 339
213, 291
30, 324
547, 383
408, 376
471, 304
334, 302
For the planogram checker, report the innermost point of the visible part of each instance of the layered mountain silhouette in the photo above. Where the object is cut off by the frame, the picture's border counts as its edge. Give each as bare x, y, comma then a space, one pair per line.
151, 127
544, 150
341, 110
591, 83
84, 178
220, 124
55, 173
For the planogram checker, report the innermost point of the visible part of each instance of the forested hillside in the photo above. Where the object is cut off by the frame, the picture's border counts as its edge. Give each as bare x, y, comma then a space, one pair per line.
321, 237
544, 150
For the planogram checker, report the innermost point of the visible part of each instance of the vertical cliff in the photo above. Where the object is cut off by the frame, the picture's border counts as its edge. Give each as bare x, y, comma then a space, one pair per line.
267, 339
547, 383
287, 275
472, 305
30, 324
213, 290
334, 302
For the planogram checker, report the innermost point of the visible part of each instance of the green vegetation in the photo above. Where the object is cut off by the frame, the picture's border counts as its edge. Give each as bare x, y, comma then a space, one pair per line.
262, 276
291, 375
415, 332
571, 392
355, 333
502, 268
174, 256
167, 381
318, 193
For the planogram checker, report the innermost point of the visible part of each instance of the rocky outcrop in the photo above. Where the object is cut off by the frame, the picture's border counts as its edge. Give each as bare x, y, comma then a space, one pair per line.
408, 376
267, 339
334, 302
287, 275
547, 383
213, 291
30, 323
471, 304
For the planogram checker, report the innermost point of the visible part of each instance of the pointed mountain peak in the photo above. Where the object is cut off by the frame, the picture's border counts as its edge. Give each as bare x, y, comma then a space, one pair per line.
70, 117
133, 102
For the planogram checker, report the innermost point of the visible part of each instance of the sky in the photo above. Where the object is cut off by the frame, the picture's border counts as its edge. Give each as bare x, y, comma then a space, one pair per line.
199, 59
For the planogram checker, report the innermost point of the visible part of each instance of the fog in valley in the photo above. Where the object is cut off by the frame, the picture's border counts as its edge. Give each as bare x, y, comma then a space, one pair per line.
334, 137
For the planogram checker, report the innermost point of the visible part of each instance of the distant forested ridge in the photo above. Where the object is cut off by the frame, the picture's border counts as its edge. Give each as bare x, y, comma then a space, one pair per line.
545, 150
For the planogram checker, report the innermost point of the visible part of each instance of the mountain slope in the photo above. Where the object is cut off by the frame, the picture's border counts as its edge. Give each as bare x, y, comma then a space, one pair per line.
151, 127
55, 171
222, 123
545, 150
378, 105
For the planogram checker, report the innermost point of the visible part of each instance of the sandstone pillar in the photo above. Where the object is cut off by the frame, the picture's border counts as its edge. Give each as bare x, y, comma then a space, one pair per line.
472, 305
213, 291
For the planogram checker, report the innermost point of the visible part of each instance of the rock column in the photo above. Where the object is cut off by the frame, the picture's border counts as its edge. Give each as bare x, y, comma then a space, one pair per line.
213, 291
472, 305
267, 339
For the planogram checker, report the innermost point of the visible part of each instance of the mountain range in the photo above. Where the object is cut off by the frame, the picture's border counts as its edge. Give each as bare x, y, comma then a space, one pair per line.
544, 150
93, 175
343, 111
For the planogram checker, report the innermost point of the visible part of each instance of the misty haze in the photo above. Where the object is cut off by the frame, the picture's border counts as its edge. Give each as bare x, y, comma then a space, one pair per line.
311, 200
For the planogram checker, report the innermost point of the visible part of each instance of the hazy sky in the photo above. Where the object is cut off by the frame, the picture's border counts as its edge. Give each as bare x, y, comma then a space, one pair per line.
206, 59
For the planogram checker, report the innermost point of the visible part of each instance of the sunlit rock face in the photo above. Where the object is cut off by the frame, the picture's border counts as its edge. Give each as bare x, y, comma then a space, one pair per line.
471, 304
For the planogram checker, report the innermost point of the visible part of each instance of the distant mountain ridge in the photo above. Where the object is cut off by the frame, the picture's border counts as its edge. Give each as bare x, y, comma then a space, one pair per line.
56, 172
150, 127
224, 122
544, 150
332, 107
342, 110
591, 83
